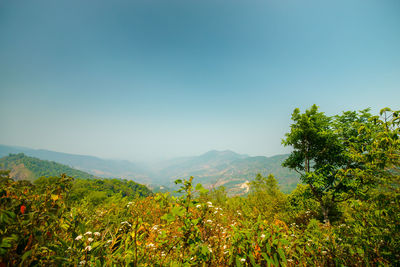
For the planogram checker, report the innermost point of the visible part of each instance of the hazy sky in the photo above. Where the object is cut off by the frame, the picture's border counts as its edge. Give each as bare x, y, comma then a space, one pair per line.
153, 79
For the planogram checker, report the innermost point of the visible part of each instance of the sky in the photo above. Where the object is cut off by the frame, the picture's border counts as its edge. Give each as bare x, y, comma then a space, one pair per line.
154, 79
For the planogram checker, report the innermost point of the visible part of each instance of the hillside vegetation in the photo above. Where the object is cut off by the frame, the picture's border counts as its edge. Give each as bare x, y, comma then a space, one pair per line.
212, 169
28, 168
347, 212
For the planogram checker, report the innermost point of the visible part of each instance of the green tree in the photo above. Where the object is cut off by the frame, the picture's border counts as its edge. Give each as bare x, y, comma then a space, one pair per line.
265, 198
340, 157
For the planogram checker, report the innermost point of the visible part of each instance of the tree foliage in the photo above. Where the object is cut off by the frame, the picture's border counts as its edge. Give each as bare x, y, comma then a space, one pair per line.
341, 157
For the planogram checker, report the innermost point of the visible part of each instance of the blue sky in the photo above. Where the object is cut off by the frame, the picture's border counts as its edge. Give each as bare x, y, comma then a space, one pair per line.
157, 79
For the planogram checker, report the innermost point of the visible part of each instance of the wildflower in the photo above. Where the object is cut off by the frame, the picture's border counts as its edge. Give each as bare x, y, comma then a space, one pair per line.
125, 222
82, 262
209, 221
324, 252
90, 239
155, 227
242, 259
290, 260
96, 233
23, 209
79, 237
88, 233
239, 213
262, 236
162, 254
209, 249
151, 245
209, 203
109, 241
198, 206
215, 212
88, 248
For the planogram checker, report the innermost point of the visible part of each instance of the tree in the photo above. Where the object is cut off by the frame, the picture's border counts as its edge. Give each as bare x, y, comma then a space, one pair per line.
340, 157
265, 198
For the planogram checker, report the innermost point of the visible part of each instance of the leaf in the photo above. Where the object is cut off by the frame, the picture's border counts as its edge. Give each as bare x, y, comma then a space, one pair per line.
26, 255
282, 255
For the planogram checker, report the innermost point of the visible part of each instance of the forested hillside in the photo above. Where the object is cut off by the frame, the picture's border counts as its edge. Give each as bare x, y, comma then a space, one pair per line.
347, 212
23, 167
229, 169
93, 165
212, 169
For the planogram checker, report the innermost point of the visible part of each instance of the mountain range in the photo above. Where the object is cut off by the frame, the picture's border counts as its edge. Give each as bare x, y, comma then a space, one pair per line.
212, 169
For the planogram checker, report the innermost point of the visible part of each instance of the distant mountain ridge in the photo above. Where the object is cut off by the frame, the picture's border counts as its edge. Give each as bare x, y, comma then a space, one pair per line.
23, 167
229, 169
94, 165
212, 169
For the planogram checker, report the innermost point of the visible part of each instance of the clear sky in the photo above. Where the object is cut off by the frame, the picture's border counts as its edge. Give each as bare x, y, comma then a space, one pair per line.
164, 78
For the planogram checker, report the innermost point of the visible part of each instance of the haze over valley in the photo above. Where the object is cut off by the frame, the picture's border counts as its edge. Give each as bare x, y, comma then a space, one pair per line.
212, 169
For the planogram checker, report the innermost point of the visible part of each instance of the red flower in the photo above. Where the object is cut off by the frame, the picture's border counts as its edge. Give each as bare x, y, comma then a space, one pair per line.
23, 209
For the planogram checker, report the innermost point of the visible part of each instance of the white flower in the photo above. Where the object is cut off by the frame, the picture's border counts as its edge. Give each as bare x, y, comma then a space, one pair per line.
198, 206
96, 233
215, 212
209, 203
324, 252
88, 248
155, 227
125, 222
151, 245
79, 237
242, 259
209, 221
82, 262
290, 260
88, 233
90, 239
209, 249
262, 236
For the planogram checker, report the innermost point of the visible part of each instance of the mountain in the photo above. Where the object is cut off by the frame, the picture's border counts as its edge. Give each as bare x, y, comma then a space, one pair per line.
229, 169
96, 166
212, 169
23, 167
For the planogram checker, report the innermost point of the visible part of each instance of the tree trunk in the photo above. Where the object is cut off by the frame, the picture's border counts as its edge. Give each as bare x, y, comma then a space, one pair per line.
325, 212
